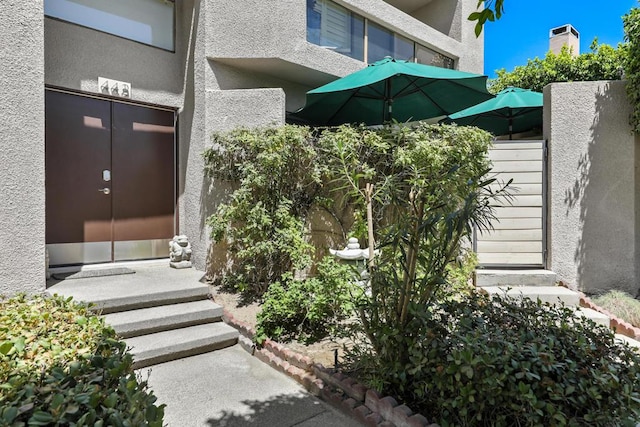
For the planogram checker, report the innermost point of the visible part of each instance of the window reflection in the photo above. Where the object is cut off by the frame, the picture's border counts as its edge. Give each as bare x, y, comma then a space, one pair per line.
145, 21
334, 27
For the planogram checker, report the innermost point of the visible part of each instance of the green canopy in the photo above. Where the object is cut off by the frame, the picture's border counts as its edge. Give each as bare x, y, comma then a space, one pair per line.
513, 110
390, 89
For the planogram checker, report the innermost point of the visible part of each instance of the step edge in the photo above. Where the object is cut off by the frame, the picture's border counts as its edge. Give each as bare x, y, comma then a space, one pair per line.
134, 329
120, 304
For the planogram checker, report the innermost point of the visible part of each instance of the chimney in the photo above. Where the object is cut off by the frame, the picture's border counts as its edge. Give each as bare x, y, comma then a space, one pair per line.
564, 35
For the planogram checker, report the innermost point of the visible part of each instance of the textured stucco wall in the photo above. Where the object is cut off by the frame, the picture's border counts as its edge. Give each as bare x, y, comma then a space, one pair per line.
22, 216
593, 199
76, 56
240, 30
225, 110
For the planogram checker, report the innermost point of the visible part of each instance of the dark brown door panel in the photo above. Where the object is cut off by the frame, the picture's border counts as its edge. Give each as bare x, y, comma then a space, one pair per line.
143, 173
78, 149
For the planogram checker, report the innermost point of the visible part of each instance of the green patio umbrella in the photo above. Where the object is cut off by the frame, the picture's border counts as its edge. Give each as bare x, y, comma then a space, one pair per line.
513, 110
390, 89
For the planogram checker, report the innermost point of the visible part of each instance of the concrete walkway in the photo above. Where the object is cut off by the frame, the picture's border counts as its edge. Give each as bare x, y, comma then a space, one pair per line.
226, 387
231, 388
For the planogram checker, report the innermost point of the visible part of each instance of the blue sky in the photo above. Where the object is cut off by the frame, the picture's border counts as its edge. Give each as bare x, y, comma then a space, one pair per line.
523, 31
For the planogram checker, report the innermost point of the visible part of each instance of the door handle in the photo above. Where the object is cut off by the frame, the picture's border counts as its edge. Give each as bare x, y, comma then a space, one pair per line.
105, 190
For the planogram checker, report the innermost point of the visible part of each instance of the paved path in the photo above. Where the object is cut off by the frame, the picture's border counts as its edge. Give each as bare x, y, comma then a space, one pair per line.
230, 388
227, 387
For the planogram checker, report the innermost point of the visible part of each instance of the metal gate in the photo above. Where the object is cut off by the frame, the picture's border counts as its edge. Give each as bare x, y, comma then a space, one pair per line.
519, 235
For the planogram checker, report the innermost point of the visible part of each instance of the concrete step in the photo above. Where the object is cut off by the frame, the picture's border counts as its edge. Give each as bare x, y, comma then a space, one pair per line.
150, 286
163, 346
143, 321
596, 316
550, 294
513, 278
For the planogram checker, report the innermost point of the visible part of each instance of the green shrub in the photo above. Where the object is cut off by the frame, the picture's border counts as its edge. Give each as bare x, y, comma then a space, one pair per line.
603, 62
426, 186
60, 365
622, 305
497, 362
263, 222
631, 24
308, 309
460, 276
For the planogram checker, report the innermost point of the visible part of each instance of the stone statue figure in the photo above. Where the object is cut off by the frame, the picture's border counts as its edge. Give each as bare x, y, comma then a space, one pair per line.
180, 252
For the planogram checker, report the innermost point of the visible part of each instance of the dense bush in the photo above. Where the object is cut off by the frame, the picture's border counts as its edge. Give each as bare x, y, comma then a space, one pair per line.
632, 66
309, 309
278, 177
60, 365
604, 62
497, 362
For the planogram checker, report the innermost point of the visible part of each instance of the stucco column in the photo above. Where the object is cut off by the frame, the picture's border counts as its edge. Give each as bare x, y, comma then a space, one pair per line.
22, 206
592, 197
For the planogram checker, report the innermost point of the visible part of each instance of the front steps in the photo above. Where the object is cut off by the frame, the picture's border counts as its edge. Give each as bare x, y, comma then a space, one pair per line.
539, 284
161, 313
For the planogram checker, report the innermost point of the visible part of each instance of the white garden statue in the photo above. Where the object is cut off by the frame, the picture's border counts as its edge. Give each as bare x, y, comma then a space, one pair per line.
180, 252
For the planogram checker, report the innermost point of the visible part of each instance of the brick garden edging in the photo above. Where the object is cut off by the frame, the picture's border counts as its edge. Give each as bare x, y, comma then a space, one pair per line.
340, 391
616, 323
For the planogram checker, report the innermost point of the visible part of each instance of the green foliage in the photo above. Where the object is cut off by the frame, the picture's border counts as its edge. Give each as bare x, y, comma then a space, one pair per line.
263, 223
60, 365
622, 305
430, 189
493, 9
604, 62
460, 276
498, 362
308, 309
631, 23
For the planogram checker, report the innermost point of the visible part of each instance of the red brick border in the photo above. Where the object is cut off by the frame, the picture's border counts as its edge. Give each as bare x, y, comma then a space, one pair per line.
340, 391
616, 323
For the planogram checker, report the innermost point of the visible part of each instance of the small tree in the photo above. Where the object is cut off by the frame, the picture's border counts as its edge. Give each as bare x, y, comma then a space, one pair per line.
429, 188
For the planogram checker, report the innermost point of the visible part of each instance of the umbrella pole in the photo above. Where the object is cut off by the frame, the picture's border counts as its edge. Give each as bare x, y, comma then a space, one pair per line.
510, 127
388, 102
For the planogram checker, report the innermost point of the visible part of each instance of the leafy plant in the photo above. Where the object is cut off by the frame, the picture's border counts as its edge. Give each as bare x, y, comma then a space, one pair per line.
60, 365
430, 189
500, 362
492, 10
622, 305
263, 223
631, 24
308, 309
604, 62
460, 275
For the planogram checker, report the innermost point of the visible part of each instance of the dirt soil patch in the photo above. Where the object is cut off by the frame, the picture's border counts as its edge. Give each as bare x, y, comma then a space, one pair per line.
322, 352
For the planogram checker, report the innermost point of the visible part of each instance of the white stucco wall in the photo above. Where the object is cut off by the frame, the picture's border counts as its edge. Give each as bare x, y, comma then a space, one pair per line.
22, 226
240, 30
592, 198
76, 56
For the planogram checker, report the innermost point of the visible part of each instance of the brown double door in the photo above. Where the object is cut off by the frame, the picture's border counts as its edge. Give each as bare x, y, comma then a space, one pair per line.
110, 180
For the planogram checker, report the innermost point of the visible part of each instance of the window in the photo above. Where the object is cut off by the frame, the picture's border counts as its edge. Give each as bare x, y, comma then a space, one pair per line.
334, 27
427, 56
146, 21
382, 42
